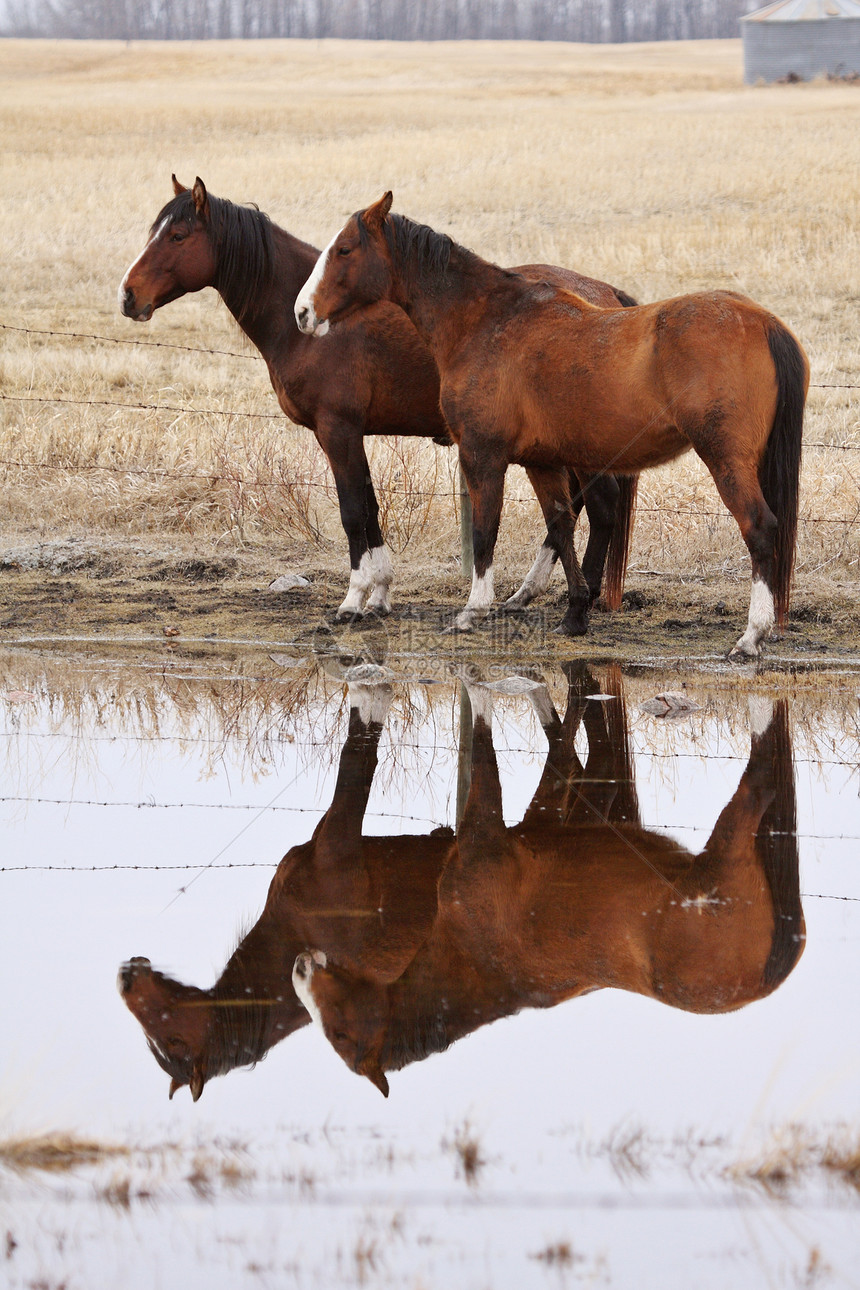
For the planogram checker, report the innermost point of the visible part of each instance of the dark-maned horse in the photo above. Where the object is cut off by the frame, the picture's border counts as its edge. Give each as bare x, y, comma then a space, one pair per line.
579, 896
533, 374
367, 901
372, 376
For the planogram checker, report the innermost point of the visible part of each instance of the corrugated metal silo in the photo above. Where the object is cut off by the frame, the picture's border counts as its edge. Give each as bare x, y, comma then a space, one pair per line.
803, 38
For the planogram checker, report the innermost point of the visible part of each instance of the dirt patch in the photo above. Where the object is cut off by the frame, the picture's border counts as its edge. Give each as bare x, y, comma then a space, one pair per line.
124, 591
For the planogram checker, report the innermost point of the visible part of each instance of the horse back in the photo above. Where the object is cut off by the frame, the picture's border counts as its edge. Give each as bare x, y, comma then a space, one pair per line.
559, 914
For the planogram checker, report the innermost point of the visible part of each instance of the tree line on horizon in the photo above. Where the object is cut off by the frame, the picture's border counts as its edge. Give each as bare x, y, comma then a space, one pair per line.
591, 21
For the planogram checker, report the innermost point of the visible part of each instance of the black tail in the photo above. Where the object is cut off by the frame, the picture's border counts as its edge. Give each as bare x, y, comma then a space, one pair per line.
776, 844
779, 469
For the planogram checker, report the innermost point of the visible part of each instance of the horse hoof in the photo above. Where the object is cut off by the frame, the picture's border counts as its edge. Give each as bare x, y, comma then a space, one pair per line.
514, 606
377, 611
743, 654
348, 618
566, 628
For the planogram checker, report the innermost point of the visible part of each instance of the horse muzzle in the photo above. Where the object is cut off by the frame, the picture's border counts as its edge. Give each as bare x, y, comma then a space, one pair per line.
307, 321
128, 306
129, 973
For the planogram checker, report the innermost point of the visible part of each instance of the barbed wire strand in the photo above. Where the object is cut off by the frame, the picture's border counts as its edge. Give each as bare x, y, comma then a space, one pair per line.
194, 349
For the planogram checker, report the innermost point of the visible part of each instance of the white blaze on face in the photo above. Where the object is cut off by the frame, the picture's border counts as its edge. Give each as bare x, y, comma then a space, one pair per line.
306, 318
302, 980
156, 235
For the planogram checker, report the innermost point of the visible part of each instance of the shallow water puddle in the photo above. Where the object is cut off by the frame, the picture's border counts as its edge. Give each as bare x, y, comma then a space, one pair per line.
601, 963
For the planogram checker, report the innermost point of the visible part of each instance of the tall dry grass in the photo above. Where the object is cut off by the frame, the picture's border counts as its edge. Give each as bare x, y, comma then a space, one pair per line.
650, 166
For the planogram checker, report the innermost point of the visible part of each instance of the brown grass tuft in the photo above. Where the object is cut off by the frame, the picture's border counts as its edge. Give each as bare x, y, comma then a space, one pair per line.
55, 1152
650, 166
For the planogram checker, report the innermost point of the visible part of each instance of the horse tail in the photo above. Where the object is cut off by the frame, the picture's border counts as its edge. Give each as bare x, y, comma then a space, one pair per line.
619, 543
625, 804
776, 844
779, 468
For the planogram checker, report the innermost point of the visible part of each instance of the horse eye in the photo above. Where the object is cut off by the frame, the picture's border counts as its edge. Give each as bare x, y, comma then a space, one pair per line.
344, 250
178, 237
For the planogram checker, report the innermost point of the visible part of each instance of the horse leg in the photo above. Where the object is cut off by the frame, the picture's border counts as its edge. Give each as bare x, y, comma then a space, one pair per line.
378, 602
741, 492
486, 486
548, 801
600, 495
553, 493
482, 814
751, 859
369, 561
536, 580
338, 833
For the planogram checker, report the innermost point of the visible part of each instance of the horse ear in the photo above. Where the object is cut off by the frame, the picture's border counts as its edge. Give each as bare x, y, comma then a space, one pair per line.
196, 1083
174, 1085
177, 187
201, 199
374, 217
369, 1067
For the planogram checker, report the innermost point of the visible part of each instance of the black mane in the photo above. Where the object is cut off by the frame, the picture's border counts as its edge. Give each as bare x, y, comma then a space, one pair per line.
421, 251
242, 238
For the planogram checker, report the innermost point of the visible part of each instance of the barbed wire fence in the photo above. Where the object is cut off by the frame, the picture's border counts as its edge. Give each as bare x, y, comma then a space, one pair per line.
236, 476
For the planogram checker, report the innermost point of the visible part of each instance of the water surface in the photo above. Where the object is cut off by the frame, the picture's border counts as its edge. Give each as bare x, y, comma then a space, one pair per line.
602, 963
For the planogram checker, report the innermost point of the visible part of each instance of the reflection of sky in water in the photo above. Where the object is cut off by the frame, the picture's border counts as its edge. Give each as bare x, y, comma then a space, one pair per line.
533, 1085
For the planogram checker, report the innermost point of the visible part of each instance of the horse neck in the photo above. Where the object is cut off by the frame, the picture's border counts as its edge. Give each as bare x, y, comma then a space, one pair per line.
439, 999
257, 982
267, 319
446, 306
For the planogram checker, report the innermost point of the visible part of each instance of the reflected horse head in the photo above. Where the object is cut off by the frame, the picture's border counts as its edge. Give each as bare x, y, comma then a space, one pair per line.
196, 1034
580, 896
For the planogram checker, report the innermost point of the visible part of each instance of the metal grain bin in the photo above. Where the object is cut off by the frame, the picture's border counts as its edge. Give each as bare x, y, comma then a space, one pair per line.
802, 38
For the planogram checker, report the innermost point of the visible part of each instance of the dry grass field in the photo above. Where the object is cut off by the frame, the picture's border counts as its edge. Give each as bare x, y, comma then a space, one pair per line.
650, 166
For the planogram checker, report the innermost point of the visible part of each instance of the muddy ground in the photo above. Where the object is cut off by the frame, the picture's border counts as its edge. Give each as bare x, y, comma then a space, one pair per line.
171, 595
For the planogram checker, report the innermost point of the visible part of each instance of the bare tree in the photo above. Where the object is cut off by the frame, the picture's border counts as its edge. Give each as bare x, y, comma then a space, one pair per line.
581, 20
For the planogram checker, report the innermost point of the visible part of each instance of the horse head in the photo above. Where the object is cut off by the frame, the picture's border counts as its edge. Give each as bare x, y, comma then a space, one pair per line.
176, 1020
352, 1013
179, 256
353, 271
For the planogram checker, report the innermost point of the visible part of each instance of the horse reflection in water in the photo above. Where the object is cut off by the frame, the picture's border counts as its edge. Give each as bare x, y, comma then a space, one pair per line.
398, 946
579, 896
368, 902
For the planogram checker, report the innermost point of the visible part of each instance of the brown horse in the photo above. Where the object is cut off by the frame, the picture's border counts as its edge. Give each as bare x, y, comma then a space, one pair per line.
373, 376
370, 902
533, 374
579, 897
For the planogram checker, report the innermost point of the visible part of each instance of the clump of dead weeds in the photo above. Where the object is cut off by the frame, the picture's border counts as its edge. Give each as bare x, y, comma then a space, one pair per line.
466, 1148
55, 1152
